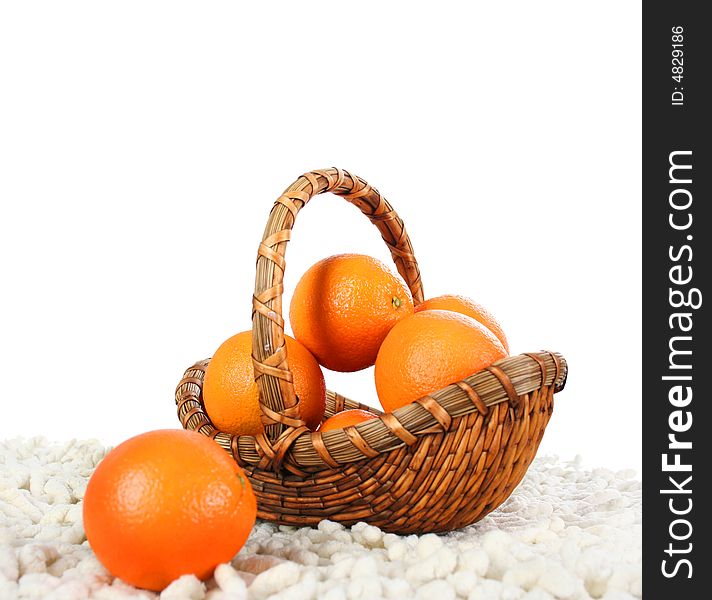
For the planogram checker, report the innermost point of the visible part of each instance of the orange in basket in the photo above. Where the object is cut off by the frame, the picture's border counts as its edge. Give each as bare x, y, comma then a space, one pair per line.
346, 418
230, 394
428, 351
466, 306
344, 306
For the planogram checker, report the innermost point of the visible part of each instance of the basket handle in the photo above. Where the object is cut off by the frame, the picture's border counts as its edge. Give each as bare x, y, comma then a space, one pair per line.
278, 403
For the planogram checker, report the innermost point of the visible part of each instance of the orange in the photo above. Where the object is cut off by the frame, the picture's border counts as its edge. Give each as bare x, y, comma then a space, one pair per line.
164, 504
344, 306
231, 396
466, 306
346, 418
430, 350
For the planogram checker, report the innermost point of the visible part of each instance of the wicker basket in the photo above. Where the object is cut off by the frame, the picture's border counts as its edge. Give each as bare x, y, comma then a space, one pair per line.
437, 464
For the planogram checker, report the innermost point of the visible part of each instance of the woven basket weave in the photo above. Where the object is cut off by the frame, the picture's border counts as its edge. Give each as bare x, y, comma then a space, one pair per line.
437, 464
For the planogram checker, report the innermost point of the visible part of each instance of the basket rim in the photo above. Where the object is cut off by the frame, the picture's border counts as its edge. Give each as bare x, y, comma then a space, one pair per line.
507, 380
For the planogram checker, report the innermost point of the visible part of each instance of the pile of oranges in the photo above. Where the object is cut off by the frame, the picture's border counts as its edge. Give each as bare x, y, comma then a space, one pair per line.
172, 502
350, 312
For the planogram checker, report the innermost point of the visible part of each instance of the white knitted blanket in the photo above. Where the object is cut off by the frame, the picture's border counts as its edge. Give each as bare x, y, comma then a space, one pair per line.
565, 532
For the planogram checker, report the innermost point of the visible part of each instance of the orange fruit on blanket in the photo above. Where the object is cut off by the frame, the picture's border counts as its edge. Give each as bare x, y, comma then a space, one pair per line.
164, 504
344, 306
430, 350
345, 418
466, 306
231, 396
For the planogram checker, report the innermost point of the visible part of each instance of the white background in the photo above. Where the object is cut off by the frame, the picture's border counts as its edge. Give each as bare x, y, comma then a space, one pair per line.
142, 145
